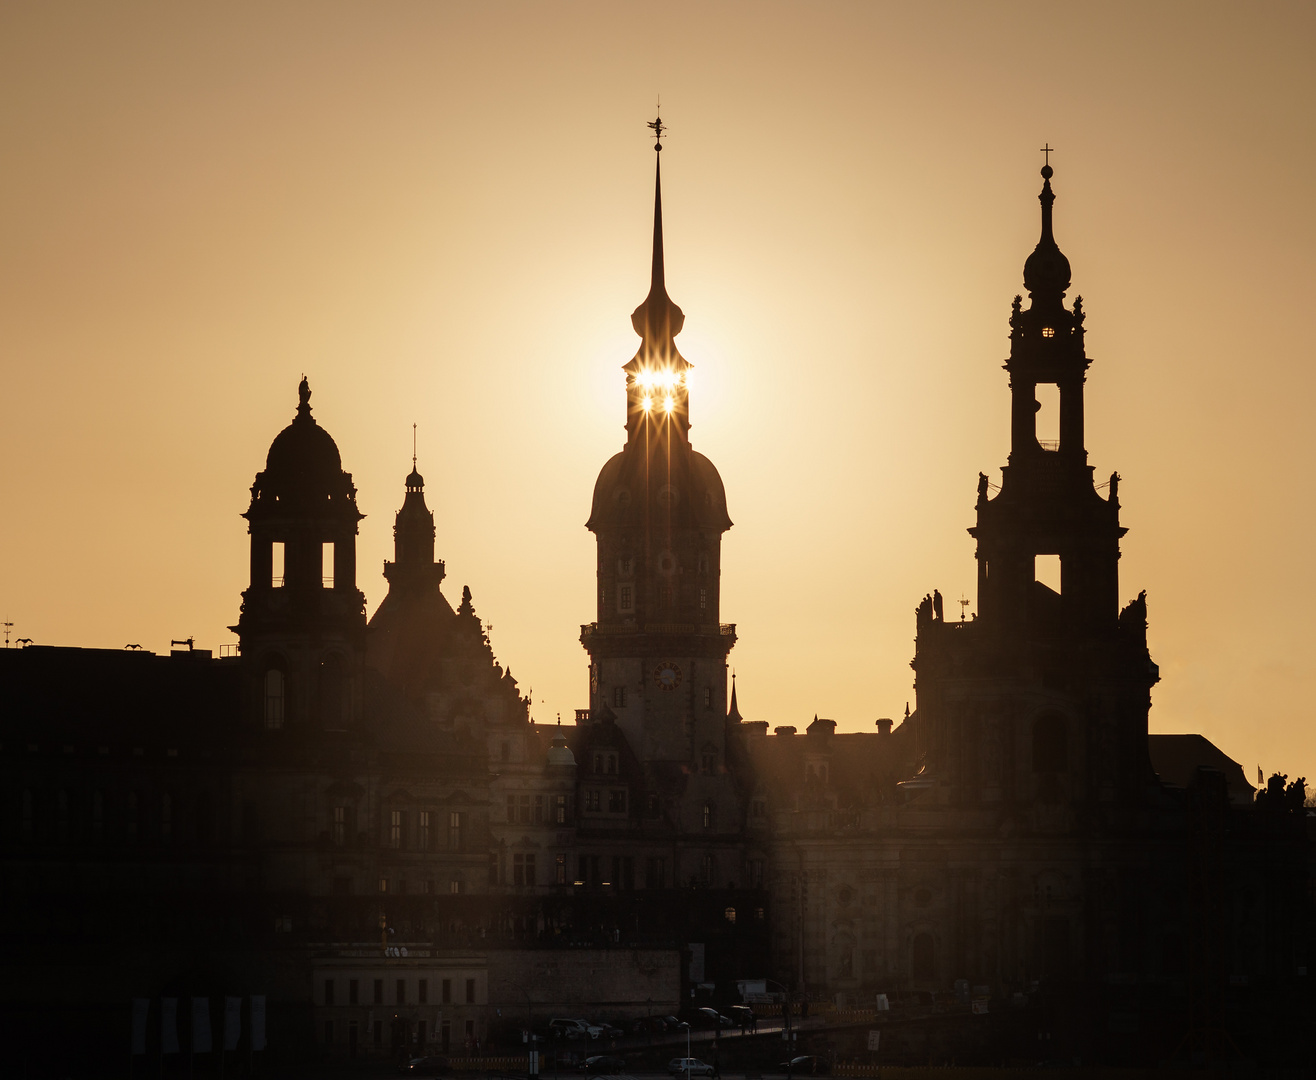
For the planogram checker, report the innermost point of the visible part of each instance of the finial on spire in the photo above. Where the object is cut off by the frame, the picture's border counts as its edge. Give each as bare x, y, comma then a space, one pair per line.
413, 447
657, 126
1047, 171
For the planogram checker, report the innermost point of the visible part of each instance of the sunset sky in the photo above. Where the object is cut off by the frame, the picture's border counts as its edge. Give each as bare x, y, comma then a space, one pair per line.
441, 214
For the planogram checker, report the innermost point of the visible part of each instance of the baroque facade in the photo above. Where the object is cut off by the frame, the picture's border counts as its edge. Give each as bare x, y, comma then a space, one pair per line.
358, 818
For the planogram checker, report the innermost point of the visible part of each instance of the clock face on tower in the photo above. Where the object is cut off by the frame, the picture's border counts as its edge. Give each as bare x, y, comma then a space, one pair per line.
667, 675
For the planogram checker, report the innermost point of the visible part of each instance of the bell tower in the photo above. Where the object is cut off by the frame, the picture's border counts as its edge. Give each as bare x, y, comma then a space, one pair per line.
302, 627
1043, 697
658, 650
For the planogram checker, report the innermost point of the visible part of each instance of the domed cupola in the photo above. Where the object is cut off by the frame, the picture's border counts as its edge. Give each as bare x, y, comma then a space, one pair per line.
302, 626
303, 466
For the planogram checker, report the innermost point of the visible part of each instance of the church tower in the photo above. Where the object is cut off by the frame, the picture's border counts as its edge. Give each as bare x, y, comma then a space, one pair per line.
302, 627
1043, 697
658, 650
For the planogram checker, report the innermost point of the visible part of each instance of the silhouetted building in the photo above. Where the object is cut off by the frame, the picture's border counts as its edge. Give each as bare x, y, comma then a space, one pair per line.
360, 821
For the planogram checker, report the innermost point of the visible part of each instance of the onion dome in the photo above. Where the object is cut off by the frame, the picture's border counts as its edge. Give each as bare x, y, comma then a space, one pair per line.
1046, 270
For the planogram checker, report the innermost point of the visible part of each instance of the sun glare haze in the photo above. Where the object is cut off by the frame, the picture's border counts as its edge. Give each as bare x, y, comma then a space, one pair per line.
441, 215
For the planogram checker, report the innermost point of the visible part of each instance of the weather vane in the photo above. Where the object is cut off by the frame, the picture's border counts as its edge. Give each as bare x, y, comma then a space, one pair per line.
657, 127
413, 446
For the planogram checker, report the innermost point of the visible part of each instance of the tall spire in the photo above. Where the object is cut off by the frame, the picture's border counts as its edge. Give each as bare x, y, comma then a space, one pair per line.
1046, 270
733, 713
657, 320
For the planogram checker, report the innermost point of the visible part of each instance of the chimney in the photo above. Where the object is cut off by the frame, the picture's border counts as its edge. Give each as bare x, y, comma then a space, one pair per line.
884, 725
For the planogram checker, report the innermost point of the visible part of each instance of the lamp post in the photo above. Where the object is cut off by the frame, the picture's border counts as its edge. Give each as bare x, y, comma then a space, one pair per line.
686, 1025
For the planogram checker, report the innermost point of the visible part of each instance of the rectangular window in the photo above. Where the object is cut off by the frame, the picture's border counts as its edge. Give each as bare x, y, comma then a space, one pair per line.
560, 809
511, 808
539, 810
656, 873
625, 597
395, 828
617, 801
470, 995
276, 565
383, 884
518, 869
593, 799
328, 1033
708, 697
353, 991
706, 869
379, 991
1046, 570
623, 872
756, 873
423, 991
401, 992
495, 867
703, 599
455, 830
445, 991
339, 832
445, 1036
377, 1032
423, 830
523, 810
619, 697
1047, 416
327, 565
560, 869
456, 887
328, 991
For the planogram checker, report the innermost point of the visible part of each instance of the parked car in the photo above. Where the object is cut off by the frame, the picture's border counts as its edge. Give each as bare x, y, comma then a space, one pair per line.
689, 1067
741, 1015
564, 1028
606, 1031
712, 1018
805, 1065
602, 1063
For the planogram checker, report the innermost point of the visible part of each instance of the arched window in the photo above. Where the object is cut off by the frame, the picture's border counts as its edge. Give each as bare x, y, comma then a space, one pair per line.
274, 699
1050, 744
924, 965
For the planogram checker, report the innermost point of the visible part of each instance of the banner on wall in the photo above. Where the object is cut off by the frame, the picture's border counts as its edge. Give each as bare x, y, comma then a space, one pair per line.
141, 1006
169, 1025
232, 1022
200, 1025
258, 1021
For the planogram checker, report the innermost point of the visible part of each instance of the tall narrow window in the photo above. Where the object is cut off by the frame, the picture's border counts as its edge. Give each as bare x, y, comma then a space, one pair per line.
395, 826
274, 690
560, 809
708, 697
339, 826
327, 565
708, 815
423, 831
1047, 397
470, 994
619, 697
560, 868
625, 597
706, 869
276, 565
539, 810
166, 818
703, 599
455, 830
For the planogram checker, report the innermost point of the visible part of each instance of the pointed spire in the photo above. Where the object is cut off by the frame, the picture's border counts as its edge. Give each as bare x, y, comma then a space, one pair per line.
657, 320
1046, 270
733, 714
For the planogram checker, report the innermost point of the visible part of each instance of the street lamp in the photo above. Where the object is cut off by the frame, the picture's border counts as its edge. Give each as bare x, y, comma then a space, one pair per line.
686, 1025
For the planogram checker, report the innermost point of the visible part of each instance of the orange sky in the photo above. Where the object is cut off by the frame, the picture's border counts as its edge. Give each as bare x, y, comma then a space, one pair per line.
441, 214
